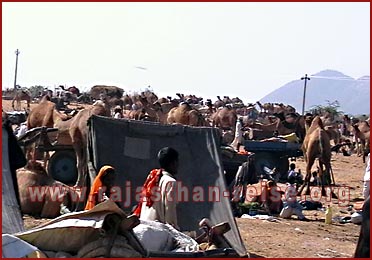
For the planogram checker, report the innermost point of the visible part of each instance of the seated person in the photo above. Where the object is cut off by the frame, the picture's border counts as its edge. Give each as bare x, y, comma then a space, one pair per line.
163, 209
316, 180
291, 205
292, 174
273, 202
101, 188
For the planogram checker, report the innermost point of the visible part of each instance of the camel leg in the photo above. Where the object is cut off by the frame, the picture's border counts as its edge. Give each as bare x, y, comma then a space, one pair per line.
306, 183
322, 178
329, 169
79, 156
362, 150
46, 159
31, 153
357, 145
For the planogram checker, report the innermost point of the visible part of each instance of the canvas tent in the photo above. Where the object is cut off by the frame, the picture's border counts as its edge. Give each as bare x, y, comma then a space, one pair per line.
131, 147
12, 221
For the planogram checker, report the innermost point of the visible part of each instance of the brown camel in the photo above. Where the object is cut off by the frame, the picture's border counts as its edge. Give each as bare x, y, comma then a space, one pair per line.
225, 118
186, 115
110, 91
284, 127
276, 126
43, 114
166, 107
333, 134
77, 127
219, 102
138, 114
363, 126
18, 97
147, 111
317, 145
362, 140
35, 175
267, 107
127, 101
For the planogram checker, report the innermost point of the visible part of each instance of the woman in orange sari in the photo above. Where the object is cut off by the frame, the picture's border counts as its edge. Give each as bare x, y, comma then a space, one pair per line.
101, 188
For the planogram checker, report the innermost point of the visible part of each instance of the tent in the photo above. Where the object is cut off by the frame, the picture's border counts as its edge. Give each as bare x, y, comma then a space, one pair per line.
131, 147
12, 221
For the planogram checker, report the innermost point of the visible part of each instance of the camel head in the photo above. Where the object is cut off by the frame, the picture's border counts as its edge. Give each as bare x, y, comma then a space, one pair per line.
157, 106
356, 128
316, 123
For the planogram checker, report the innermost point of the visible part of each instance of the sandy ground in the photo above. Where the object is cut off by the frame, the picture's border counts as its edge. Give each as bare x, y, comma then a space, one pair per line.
293, 238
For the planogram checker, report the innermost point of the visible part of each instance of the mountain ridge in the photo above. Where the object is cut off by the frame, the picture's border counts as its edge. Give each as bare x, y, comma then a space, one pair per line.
352, 94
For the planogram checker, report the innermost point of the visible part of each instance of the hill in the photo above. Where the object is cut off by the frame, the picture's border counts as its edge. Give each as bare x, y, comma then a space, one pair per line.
352, 94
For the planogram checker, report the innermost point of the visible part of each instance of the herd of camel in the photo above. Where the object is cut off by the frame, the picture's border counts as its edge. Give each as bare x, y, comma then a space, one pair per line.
315, 132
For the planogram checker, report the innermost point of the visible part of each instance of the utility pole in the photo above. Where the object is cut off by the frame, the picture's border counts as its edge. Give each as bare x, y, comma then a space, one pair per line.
306, 78
15, 74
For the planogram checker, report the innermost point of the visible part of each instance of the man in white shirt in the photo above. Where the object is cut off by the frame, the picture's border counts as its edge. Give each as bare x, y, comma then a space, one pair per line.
366, 179
159, 198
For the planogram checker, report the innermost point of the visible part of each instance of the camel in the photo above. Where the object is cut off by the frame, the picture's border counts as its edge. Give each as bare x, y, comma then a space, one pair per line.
163, 100
363, 126
150, 96
43, 114
278, 126
236, 100
273, 127
77, 127
219, 102
36, 176
156, 112
74, 90
267, 107
127, 101
147, 111
225, 118
226, 100
316, 145
285, 124
333, 134
110, 91
362, 140
166, 107
138, 114
84, 98
186, 115
19, 96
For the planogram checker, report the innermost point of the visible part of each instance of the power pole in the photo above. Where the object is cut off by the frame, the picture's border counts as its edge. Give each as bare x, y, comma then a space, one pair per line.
306, 78
15, 74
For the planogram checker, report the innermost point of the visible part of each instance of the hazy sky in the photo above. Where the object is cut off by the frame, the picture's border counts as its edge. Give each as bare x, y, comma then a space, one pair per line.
207, 49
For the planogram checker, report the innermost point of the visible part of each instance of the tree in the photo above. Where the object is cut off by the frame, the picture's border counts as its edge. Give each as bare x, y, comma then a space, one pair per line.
35, 91
331, 109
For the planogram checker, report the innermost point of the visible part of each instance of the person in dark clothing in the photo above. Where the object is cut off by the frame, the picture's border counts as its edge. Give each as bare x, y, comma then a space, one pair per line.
17, 158
362, 249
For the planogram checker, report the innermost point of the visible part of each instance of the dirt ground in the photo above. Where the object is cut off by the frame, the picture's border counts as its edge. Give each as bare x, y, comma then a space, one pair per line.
313, 239
293, 238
